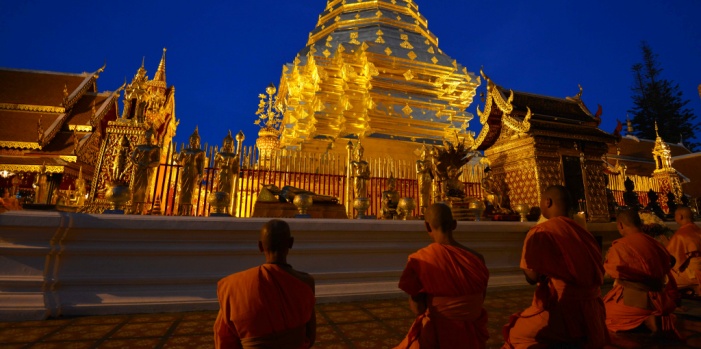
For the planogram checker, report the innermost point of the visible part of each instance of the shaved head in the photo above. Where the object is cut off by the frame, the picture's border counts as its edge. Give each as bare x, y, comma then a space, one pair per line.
556, 201
683, 215
629, 218
275, 236
439, 216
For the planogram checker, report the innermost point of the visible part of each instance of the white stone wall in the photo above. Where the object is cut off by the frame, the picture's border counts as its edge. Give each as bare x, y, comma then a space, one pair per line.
54, 264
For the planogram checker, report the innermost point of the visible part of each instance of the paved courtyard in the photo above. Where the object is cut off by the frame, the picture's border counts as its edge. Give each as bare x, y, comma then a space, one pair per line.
364, 324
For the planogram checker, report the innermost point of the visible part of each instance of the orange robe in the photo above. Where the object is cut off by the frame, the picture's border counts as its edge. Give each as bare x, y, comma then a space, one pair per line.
263, 307
644, 285
455, 282
566, 306
685, 247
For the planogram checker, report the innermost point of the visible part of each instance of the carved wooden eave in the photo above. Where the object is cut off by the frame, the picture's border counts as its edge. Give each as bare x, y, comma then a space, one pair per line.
110, 102
498, 112
88, 83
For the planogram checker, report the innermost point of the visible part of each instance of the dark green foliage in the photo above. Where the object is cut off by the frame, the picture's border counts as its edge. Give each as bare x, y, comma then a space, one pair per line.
659, 99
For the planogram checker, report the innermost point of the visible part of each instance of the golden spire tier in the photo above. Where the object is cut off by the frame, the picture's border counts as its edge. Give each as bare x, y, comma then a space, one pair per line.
372, 69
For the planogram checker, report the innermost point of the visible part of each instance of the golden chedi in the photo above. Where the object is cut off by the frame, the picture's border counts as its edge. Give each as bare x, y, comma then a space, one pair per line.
372, 70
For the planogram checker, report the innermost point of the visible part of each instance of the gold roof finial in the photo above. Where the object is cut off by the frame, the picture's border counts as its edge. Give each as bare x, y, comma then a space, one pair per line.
657, 129
578, 96
140, 75
161, 71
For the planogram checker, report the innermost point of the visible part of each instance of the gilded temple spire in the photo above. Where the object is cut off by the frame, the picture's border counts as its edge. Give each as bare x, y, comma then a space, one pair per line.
161, 72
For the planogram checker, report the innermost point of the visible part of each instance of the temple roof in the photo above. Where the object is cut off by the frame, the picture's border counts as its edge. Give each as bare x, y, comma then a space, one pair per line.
537, 115
82, 112
32, 163
38, 88
690, 166
21, 126
547, 108
27, 98
62, 144
635, 148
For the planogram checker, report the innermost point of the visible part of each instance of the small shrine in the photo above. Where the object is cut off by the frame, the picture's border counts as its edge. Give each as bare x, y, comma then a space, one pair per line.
149, 111
534, 141
669, 169
669, 179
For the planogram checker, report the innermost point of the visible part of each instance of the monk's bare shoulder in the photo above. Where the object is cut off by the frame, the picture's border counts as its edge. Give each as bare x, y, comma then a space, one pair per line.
304, 277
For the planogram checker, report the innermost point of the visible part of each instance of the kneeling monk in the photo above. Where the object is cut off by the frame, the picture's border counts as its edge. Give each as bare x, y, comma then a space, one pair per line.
565, 261
446, 283
269, 306
685, 247
644, 291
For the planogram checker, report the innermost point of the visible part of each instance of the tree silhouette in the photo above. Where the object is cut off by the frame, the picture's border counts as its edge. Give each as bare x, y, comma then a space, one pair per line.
656, 99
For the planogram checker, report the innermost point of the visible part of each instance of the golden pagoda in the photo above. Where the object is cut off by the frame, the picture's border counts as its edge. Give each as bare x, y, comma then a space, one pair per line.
372, 70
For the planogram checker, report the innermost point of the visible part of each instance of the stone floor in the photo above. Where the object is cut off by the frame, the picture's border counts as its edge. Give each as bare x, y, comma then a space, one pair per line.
368, 324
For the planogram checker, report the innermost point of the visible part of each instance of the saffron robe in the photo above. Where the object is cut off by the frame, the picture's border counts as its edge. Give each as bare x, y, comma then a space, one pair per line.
263, 307
644, 285
685, 247
566, 306
455, 282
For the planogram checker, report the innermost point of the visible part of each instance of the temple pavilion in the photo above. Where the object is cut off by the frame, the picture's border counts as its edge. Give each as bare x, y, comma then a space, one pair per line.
372, 70
534, 141
52, 123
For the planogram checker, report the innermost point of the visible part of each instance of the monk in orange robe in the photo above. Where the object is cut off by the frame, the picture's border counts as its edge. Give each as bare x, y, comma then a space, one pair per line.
685, 247
644, 293
446, 282
269, 306
565, 262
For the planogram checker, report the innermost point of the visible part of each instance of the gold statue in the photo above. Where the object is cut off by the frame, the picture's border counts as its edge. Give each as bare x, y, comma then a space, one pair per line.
288, 193
361, 173
227, 162
424, 169
192, 162
493, 192
390, 199
119, 164
76, 198
41, 184
144, 158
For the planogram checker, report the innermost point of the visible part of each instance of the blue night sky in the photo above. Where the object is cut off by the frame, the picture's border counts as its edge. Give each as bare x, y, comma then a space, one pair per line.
222, 54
